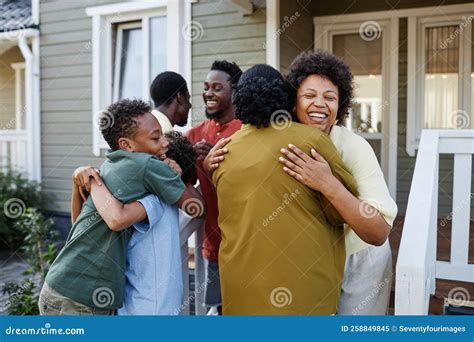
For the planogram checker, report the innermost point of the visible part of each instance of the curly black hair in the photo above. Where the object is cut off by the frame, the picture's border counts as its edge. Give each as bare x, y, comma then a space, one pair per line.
230, 68
182, 152
166, 86
329, 66
117, 121
262, 96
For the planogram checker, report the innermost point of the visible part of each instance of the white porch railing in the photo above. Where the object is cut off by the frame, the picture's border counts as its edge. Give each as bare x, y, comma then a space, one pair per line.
13, 150
417, 266
188, 226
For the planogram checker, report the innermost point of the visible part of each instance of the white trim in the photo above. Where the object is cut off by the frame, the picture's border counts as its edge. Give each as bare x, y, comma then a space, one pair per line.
35, 12
17, 34
393, 14
325, 29
418, 21
33, 121
126, 7
272, 43
188, 60
18, 67
103, 17
145, 26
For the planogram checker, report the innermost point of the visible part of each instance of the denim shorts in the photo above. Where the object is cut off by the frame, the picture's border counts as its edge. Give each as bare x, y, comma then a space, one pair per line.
212, 290
51, 303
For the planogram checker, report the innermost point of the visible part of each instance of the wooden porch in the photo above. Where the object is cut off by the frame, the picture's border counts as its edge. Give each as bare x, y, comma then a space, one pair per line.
443, 253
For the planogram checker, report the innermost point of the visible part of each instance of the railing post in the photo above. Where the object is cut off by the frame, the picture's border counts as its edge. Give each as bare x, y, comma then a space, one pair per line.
415, 271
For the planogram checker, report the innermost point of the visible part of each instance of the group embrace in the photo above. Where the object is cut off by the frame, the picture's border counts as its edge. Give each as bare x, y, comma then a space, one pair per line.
296, 209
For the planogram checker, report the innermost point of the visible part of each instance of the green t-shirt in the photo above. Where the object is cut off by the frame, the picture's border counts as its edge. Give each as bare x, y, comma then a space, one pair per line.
90, 269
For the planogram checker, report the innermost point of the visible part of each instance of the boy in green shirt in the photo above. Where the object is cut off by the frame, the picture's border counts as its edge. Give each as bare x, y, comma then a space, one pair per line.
88, 276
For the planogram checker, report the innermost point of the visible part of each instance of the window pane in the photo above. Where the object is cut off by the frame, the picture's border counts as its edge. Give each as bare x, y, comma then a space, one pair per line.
441, 77
157, 46
131, 64
364, 57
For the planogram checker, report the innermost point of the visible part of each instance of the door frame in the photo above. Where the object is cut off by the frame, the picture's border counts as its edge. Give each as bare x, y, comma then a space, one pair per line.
325, 28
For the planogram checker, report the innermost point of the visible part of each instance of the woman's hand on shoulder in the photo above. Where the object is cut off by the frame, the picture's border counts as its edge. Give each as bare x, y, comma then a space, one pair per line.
313, 171
216, 155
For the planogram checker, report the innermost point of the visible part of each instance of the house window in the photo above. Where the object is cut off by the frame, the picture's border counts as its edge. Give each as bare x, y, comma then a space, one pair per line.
128, 59
441, 77
131, 76
440, 92
131, 43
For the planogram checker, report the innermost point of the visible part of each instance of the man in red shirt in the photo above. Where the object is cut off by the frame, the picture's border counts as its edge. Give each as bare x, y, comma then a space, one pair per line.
220, 123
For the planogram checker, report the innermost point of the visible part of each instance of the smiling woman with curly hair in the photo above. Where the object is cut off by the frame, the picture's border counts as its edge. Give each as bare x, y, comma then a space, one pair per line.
324, 95
263, 212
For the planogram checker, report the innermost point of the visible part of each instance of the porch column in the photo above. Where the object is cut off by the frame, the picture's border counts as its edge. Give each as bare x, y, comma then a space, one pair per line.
272, 43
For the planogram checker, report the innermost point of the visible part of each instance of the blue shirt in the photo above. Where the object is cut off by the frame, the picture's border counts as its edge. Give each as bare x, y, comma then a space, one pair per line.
154, 279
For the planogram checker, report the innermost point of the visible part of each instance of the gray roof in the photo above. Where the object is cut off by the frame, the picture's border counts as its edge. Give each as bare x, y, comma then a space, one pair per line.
15, 15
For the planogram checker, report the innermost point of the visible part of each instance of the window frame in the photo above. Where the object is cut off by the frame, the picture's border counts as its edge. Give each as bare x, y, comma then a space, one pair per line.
416, 66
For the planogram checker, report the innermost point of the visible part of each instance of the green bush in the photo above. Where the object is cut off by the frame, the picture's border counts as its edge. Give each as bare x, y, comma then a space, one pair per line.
16, 194
22, 299
40, 251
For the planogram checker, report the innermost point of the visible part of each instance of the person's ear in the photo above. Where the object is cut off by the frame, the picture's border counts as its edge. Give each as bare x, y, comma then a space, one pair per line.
179, 99
125, 144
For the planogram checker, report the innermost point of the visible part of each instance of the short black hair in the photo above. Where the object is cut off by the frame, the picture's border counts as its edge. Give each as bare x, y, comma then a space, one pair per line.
117, 121
329, 66
181, 150
262, 96
166, 86
230, 68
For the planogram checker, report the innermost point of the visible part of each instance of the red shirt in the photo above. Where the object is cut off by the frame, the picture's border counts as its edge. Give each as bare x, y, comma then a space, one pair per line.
211, 132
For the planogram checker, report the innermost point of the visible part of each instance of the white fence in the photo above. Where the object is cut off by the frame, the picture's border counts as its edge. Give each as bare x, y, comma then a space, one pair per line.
13, 150
417, 265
